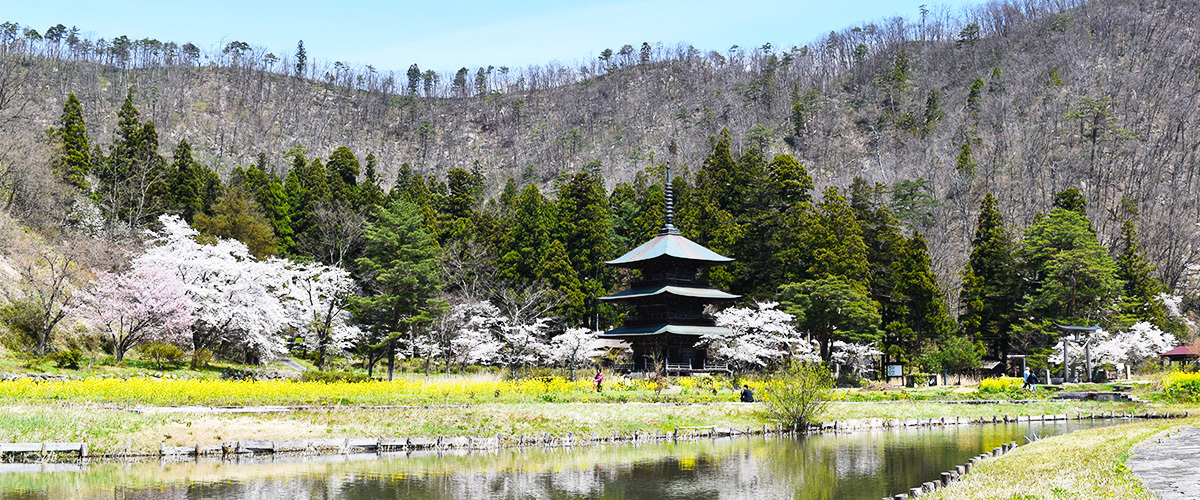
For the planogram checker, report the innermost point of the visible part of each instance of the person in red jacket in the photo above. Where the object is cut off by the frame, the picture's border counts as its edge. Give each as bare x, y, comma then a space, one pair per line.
599, 379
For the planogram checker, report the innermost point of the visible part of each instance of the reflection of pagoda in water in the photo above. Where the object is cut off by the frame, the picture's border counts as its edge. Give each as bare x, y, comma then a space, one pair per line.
668, 299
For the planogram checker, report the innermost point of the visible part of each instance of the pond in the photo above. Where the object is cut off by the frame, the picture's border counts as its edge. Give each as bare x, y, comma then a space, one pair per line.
858, 465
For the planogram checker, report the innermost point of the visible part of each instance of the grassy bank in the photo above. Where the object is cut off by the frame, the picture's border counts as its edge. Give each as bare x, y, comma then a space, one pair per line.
1084, 464
108, 428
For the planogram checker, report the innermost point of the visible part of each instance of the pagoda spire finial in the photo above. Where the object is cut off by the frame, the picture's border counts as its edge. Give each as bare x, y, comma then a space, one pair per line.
669, 213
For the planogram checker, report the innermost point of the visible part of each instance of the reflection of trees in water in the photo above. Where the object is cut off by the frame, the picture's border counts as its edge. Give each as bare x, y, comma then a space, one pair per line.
866, 464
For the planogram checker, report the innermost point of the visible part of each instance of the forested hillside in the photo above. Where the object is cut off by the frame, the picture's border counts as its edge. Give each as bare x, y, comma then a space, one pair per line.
880, 164
1022, 99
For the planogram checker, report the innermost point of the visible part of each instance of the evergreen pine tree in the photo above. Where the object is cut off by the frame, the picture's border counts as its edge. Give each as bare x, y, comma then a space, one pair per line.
399, 275
1073, 277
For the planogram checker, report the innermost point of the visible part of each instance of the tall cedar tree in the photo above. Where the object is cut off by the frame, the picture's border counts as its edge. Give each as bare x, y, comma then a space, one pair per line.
554, 269
192, 188
132, 181
704, 214
585, 228
272, 197
623, 208
836, 244
370, 195
918, 303
531, 230
74, 161
881, 235
1140, 293
991, 292
411, 187
399, 275
460, 206
342, 170
782, 202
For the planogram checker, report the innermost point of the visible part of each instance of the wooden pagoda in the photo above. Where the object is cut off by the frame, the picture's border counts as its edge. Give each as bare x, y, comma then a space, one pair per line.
668, 296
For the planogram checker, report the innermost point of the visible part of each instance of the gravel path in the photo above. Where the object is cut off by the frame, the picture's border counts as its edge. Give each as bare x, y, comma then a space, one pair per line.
1168, 463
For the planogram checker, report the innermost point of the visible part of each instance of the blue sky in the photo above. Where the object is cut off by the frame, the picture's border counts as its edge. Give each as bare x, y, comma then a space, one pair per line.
446, 34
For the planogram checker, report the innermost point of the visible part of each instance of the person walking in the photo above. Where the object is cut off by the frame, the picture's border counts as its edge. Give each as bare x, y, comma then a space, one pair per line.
599, 379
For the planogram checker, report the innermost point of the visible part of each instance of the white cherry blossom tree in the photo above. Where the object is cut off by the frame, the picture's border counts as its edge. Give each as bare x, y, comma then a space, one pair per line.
574, 347
758, 335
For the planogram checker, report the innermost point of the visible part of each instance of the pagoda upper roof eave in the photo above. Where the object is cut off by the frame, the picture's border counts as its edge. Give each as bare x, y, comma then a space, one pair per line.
678, 291
670, 245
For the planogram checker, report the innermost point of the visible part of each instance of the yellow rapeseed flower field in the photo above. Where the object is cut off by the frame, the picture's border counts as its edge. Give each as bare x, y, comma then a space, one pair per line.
1182, 386
167, 392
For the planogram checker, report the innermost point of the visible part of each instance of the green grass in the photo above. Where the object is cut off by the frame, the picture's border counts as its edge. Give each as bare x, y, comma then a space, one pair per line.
1084, 464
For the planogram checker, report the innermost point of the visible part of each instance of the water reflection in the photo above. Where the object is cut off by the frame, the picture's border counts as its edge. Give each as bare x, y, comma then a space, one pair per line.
869, 464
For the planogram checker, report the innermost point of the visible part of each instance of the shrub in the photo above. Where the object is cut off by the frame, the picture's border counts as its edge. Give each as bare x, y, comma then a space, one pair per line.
20, 326
1182, 386
162, 352
67, 359
1001, 385
798, 395
332, 377
201, 358
850, 380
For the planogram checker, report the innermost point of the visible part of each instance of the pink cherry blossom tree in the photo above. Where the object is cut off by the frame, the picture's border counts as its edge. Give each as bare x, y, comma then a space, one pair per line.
143, 304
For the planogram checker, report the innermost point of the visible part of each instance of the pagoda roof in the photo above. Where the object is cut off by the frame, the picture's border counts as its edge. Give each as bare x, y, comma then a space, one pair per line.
651, 330
669, 245
679, 291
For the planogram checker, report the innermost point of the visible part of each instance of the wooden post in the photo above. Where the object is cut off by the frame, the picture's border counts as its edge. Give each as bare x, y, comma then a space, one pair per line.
162, 448
946, 478
83, 451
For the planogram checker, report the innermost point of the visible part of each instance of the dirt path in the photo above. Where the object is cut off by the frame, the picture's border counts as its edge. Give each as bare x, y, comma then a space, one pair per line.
1168, 464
